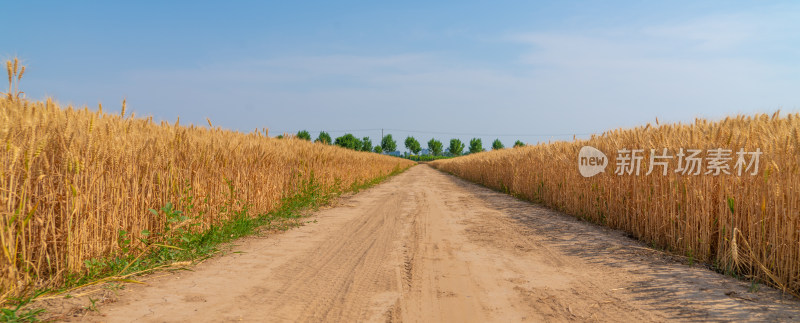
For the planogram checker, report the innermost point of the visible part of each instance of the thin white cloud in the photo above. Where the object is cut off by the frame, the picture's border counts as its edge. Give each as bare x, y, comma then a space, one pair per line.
577, 81
718, 33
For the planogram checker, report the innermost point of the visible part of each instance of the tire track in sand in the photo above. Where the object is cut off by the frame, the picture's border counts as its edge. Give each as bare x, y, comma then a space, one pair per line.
428, 247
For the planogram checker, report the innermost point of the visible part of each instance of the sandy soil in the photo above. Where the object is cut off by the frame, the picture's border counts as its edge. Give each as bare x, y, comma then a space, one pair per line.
429, 247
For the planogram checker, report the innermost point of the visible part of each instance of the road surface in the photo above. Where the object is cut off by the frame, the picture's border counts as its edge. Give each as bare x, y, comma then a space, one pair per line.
429, 247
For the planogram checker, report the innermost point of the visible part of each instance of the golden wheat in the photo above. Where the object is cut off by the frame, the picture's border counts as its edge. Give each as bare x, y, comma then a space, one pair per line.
740, 223
72, 179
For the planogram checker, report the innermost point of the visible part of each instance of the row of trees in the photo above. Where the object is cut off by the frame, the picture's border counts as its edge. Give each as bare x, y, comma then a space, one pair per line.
388, 144
456, 146
352, 142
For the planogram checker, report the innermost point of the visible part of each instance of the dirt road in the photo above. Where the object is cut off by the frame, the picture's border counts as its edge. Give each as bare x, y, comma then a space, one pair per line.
428, 247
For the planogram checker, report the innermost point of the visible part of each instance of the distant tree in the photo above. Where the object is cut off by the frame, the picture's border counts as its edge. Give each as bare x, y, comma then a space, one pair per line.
519, 144
475, 145
349, 141
435, 147
456, 147
413, 145
378, 149
302, 134
324, 138
279, 137
388, 144
366, 144
497, 144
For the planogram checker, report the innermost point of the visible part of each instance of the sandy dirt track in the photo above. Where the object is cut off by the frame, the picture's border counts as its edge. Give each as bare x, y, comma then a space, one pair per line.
429, 247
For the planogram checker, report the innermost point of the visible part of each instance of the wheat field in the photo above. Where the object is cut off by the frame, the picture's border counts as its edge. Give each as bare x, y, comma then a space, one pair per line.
71, 179
742, 224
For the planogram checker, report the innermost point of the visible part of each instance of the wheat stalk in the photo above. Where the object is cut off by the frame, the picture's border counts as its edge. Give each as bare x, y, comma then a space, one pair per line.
80, 176
692, 215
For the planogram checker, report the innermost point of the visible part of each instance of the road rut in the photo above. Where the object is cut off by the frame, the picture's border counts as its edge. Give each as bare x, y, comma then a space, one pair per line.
429, 247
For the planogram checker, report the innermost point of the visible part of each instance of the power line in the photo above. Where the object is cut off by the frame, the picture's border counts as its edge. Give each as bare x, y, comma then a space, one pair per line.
492, 135
330, 131
455, 133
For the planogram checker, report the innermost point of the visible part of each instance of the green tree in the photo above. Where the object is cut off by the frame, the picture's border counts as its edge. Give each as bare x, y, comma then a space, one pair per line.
475, 145
349, 141
302, 134
456, 147
413, 145
388, 144
519, 144
497, 144
324, 138
435, 147
378, 149
366, 144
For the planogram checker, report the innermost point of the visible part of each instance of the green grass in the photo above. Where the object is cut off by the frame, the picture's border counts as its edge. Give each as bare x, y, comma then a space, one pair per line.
18, 311
179, 243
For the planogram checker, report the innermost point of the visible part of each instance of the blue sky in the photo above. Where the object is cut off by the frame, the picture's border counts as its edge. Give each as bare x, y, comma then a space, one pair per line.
533, 70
